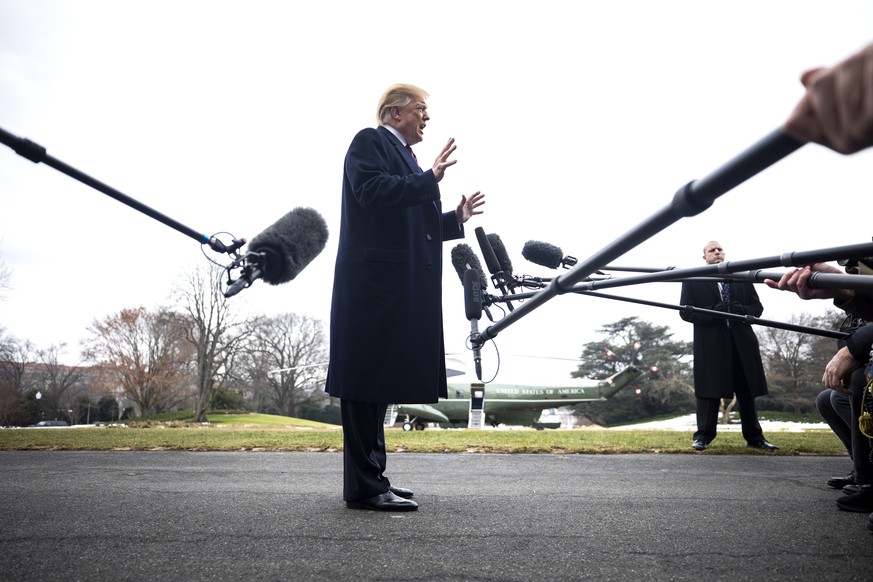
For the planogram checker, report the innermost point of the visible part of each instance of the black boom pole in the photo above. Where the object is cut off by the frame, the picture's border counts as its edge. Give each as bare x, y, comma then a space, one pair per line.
690, 200
36, 154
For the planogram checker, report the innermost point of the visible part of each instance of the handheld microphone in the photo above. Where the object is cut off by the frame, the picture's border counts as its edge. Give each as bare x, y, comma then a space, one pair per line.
281, 251
546, 255
473, 310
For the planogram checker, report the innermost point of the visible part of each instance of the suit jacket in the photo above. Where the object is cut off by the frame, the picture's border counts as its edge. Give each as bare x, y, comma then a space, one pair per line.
386, 328
713, 353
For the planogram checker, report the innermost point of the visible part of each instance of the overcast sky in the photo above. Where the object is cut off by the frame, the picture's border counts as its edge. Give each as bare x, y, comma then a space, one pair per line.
577, 120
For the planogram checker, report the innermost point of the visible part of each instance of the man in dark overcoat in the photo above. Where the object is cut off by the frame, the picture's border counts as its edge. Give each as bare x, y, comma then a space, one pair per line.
727, 357
386, 328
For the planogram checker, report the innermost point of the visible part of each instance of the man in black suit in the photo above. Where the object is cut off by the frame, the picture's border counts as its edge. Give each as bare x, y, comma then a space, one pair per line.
386, 328
727, 358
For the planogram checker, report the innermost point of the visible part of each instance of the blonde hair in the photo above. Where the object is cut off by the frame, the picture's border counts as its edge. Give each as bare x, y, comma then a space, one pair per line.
399, 95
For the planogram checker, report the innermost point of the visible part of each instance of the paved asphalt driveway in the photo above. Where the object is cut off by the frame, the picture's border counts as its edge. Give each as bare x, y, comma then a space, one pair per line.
483, 517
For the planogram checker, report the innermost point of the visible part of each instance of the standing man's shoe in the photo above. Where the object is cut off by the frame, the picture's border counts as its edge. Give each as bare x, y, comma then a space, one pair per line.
851, 489
861, 502
384, 502
400, 492
840, 482
699, 445
762, 444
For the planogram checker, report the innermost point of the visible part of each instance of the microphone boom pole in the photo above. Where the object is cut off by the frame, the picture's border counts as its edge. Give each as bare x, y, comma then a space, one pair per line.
36, 154
745, 270
750, 319
690, 200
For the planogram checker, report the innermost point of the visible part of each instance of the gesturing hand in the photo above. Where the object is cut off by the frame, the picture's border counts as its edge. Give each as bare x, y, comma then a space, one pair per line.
469, 207
442, 162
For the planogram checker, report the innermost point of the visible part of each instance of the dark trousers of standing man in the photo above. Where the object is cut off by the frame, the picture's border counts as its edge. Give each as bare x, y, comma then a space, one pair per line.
364, 454
707, 408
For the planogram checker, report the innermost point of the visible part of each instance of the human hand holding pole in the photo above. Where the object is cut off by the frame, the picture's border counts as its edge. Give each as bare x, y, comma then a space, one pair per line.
837, 109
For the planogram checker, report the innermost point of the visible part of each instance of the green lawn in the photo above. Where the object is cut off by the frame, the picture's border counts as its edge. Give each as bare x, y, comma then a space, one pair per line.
261, 432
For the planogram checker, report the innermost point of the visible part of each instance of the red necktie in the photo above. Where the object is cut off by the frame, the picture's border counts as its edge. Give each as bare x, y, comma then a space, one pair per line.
412, 153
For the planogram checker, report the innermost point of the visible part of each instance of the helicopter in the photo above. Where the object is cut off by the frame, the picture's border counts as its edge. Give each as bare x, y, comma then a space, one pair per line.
507, 404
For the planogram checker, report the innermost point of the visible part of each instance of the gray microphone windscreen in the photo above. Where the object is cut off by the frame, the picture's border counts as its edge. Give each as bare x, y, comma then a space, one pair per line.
290, 244
542, 254
463, 259
501, 254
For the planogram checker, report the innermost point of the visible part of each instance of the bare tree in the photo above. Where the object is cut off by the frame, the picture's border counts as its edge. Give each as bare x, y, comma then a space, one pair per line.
285, 361
214, 329
57, 383
16, 384
145, 354
14, 356
5, 278
794, 361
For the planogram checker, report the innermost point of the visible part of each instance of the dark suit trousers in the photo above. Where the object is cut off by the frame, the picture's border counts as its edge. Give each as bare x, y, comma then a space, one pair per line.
364, 454
707, 408
836, 409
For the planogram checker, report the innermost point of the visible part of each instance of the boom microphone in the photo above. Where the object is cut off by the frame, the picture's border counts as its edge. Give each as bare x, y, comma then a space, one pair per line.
282, 250
546, 255
292, 242
473, 309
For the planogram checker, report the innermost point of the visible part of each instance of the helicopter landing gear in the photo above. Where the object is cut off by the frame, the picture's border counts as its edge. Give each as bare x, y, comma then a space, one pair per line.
413, 423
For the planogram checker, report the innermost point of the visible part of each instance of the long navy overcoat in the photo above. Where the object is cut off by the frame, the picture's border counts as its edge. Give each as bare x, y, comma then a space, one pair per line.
386, 328
713, 353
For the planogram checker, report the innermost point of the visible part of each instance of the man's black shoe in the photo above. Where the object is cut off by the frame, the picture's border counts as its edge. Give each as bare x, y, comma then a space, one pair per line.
861, 502
762, 444
699, 445
851, 489
400, 492
840, 482
384, 502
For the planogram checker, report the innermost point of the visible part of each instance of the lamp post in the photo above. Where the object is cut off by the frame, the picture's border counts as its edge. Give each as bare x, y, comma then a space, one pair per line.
38, 398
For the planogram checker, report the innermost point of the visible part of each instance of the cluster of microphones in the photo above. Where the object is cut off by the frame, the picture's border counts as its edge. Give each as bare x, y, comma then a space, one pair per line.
500, 267
475, 281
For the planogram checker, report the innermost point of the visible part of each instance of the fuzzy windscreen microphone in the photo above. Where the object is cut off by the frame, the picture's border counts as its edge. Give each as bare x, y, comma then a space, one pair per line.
542, 254
289, 244
501, 254
463, 258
